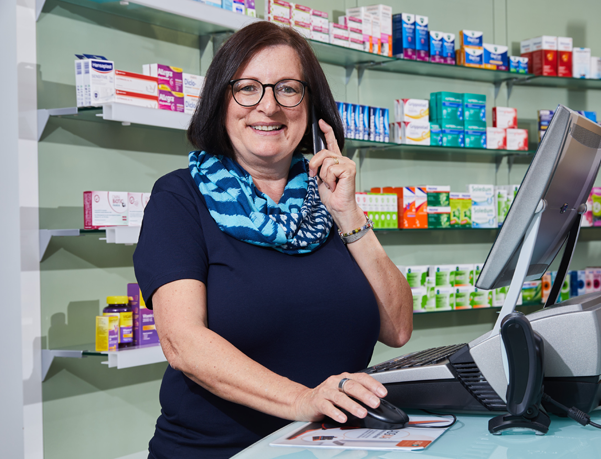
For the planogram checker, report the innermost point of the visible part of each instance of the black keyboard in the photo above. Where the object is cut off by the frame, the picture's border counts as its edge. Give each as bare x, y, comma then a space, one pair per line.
416, 359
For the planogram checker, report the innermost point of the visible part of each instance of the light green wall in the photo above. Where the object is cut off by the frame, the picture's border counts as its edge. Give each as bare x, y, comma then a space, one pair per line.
95, 412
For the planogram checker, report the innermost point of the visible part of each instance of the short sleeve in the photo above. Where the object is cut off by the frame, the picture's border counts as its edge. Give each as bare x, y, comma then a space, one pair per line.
171, 244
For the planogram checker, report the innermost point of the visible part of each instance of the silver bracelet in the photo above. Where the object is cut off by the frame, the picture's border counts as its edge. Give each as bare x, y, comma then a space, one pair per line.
356, 234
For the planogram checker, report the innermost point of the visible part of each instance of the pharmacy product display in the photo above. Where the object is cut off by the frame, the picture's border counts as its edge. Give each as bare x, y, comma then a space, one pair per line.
437, 207
237, 6
363, 122
125, 322
449, 287
103, 209
164, 87
545, 117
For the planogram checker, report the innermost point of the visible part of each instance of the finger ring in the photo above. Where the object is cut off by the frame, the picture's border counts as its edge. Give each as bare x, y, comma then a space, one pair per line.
341, 384
336, 161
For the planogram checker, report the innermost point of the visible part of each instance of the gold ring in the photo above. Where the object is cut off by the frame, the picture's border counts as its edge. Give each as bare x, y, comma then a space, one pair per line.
336, 161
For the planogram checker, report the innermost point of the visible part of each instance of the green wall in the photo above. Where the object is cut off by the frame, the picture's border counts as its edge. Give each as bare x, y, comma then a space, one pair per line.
95, 412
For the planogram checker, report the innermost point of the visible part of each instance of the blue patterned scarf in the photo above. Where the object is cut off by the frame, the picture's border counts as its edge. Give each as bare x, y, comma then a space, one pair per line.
298, 223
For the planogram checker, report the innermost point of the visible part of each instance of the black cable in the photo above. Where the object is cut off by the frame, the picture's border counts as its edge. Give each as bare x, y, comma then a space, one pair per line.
573, 413
435, 427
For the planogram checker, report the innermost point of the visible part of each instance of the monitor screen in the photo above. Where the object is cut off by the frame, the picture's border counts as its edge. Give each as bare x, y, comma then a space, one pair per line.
562, 174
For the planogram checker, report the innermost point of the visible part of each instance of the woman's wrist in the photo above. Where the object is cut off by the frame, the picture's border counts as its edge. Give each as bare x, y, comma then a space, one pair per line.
350, 221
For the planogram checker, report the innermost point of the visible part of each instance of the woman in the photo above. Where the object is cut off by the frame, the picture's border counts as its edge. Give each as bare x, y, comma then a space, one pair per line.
260, 307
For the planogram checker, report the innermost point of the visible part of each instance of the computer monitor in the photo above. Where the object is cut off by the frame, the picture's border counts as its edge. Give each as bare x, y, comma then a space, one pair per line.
559, 179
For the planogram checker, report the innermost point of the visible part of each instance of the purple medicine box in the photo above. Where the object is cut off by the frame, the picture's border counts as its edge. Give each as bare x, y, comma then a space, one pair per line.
145, 331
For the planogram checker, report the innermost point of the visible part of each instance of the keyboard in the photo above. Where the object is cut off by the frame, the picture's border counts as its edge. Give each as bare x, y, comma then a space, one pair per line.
416, 359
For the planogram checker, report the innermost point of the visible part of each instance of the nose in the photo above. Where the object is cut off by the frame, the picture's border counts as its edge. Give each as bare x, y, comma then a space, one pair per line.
268, 104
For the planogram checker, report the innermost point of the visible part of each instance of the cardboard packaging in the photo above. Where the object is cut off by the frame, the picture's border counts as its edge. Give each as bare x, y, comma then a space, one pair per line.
403, 36
366, 24
471, 38
104, 208
144, 328
518, 64
134, 98
564, 57
463, 297
422, 38
436, 47
474, 112
517, 139
192, 89
496, 57
470, 57
461, 210
135, 209
355, 28
411, 109
496, 139
339, 35
320, 34
438, 196
439, 217
505, 117
136, 83
95, 78
544, 55
416, 276
448, 48
413, 132
526, 52
278, 8
475, 138
383, 14
319, 19
435, 135
581, 62
170, 78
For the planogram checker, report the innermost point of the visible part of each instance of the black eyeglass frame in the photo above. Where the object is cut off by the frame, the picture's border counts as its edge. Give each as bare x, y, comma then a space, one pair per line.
272, 86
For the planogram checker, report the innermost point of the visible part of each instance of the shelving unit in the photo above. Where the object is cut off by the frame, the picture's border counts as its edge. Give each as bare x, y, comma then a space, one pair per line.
124, 358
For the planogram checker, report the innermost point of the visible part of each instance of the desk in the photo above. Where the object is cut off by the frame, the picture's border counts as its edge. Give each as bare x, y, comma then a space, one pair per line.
468, 438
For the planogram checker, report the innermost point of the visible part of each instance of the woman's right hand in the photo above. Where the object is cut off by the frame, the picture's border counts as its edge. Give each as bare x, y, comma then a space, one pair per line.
325, 399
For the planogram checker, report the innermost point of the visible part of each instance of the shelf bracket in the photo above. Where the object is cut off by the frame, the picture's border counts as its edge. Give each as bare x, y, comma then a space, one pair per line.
39, 5
219, 39
48, 356
498, 162
497, 85
348, 73
45, 114
510, 84
203, 42
510, 160
360, 72
46, 236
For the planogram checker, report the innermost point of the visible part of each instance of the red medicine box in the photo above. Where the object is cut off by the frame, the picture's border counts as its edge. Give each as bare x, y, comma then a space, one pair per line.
564, 57
544, 55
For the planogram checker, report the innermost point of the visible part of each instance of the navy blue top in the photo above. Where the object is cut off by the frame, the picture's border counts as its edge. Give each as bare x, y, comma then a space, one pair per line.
305, 317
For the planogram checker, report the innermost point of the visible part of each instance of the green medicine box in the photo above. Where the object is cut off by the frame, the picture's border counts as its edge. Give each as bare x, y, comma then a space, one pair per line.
453, 138
447, 107
475, 138
439, 217
438, 196
474, 111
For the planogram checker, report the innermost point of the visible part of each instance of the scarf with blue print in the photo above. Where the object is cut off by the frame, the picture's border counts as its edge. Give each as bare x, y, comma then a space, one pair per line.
299, 223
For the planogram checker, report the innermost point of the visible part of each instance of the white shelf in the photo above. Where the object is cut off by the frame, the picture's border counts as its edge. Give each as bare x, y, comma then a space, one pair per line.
135, 357
127, 235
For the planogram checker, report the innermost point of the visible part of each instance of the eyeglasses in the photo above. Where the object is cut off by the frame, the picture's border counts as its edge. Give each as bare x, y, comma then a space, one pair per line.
248, 92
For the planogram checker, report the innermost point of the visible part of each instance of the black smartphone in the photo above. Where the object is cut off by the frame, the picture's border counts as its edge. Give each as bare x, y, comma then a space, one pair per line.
318, 137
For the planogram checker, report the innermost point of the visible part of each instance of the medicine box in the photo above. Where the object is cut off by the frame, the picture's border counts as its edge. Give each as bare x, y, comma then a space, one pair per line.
446, 108
496, 57
496, 139
416, 276
413, 132
403, 36
435, 135
502, 204
474, 111
463, 296
445, 298
581, 62
448, 48
170, 100
596, 205
470, 38
144, 327
319, 19
355, 28
475, 138
526, 52
453, 138
505, 117
439, 217
366, 20
320, 34
136, 83
339, 35
517, 139
532, 293
169, 78
544, 55
135, 209
470, 57
482, 195
383, 14
518, 64
484, 216
249, 8
577, 282
499, 295
438, 196
278, 8
422, 38
304, 28
595, 72
104, 208
564, 56
463, 275
192, 89
436, 51
300, 13
481, 298
443, 275
98, 81
280, 20
420, 299
238, 7
461, 210
134, 98
411, 109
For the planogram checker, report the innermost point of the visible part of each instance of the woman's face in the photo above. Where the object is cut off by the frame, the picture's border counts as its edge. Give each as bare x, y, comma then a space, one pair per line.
267, 130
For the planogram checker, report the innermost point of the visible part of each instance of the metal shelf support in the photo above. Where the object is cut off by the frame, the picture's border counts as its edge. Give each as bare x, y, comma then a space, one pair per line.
48, 356
46, 236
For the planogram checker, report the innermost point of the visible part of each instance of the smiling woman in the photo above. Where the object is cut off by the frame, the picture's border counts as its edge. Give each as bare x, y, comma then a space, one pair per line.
268, 285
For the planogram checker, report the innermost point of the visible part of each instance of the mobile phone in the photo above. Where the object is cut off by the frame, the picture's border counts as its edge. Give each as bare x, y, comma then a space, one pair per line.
318, 137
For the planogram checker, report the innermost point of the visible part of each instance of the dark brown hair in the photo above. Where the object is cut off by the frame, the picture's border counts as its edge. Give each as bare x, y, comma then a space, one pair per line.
207, 128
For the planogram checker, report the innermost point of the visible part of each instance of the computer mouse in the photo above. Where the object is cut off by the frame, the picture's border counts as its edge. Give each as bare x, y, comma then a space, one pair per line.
385, 416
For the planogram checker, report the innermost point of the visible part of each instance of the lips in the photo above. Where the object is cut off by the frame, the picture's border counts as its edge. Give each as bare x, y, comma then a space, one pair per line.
268, 128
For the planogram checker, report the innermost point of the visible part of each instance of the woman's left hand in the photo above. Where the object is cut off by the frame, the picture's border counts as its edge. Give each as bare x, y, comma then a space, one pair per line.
337, 182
